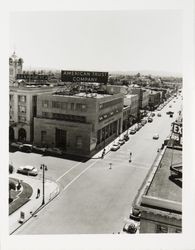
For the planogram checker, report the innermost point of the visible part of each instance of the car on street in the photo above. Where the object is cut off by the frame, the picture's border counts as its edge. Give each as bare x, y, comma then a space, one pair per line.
152, 114
150, 119
170, 106
26, 148
156, 136
130, 227
135, 214
28, 170
132, 131
143, 121
39, 150
15, 145
126, 137
170, 112
121, 142
139, 125
159, 114
53, 152
115, 147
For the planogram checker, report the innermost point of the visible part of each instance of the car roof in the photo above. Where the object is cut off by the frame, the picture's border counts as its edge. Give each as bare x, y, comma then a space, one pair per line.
28, 167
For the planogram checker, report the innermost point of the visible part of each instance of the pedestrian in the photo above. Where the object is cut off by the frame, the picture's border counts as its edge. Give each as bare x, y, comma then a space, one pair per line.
103, 153
38, 193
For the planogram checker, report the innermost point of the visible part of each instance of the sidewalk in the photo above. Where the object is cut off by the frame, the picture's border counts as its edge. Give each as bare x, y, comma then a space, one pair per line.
108, 147
51, 191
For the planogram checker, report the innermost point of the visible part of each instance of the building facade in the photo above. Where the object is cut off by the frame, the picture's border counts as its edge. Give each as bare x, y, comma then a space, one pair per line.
143, 96
23, 109
160, 197
80, 124
133, 102
154, 99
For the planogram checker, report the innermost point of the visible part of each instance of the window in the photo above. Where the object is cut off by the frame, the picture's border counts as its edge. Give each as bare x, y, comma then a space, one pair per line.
11, 97
56, 104
45, 114
22, 98
43, 136
21, 118
72, 106
72, 118
178, 230
81, 107
79, 142
84, 107
22, 109
64, 105
161, 229
45, 103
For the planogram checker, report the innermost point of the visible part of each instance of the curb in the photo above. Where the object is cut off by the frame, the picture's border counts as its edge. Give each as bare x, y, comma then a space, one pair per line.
37, 210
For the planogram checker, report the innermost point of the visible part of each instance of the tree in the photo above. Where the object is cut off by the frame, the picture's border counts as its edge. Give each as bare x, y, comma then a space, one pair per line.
11, 187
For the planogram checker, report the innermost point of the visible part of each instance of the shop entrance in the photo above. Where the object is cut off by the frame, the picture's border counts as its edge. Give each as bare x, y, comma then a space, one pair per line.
11, 134
22, 135
61, 138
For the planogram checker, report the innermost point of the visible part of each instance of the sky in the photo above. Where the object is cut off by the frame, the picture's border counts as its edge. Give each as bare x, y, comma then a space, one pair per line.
135, 40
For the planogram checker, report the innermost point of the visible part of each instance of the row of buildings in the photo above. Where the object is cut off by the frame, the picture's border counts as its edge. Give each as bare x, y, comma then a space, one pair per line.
78, 118
159, 199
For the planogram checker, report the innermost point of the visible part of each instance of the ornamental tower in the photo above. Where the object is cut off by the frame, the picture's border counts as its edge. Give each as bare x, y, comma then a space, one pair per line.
15, 67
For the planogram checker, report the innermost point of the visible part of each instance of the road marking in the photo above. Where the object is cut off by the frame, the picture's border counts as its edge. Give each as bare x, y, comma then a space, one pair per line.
68, 171
140, 167
78, 176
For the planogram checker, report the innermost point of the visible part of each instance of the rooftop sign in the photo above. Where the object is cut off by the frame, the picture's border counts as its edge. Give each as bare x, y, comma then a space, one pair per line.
31, 77
84, 76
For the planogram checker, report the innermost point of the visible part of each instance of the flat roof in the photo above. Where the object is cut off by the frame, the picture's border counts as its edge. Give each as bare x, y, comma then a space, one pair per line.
161, 186
82, 94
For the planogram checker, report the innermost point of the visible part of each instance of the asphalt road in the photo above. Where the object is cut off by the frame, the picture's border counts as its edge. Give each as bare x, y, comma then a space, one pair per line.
94, 198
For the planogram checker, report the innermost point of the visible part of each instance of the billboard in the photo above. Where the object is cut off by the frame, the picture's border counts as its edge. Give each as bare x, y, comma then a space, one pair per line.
84, 76
31, 77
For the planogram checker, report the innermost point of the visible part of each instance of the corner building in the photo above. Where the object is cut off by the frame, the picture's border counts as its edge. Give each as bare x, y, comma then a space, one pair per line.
80, 124
22, 110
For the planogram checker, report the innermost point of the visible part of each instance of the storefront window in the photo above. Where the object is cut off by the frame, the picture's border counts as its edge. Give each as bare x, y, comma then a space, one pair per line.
161, 229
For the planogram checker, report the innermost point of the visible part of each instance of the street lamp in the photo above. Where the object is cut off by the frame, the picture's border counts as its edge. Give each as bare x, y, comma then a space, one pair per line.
44, 168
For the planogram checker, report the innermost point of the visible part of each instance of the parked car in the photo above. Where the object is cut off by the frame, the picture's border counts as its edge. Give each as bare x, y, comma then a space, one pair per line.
143, 122
126, 137
170, 112
152, 114
132, 131
156, 136
139, 125
159, 114
150, 119
121, 142
28, 170
54, 151
39, 150
130, 227
135, 214
26, 148
15, 145
115, 147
